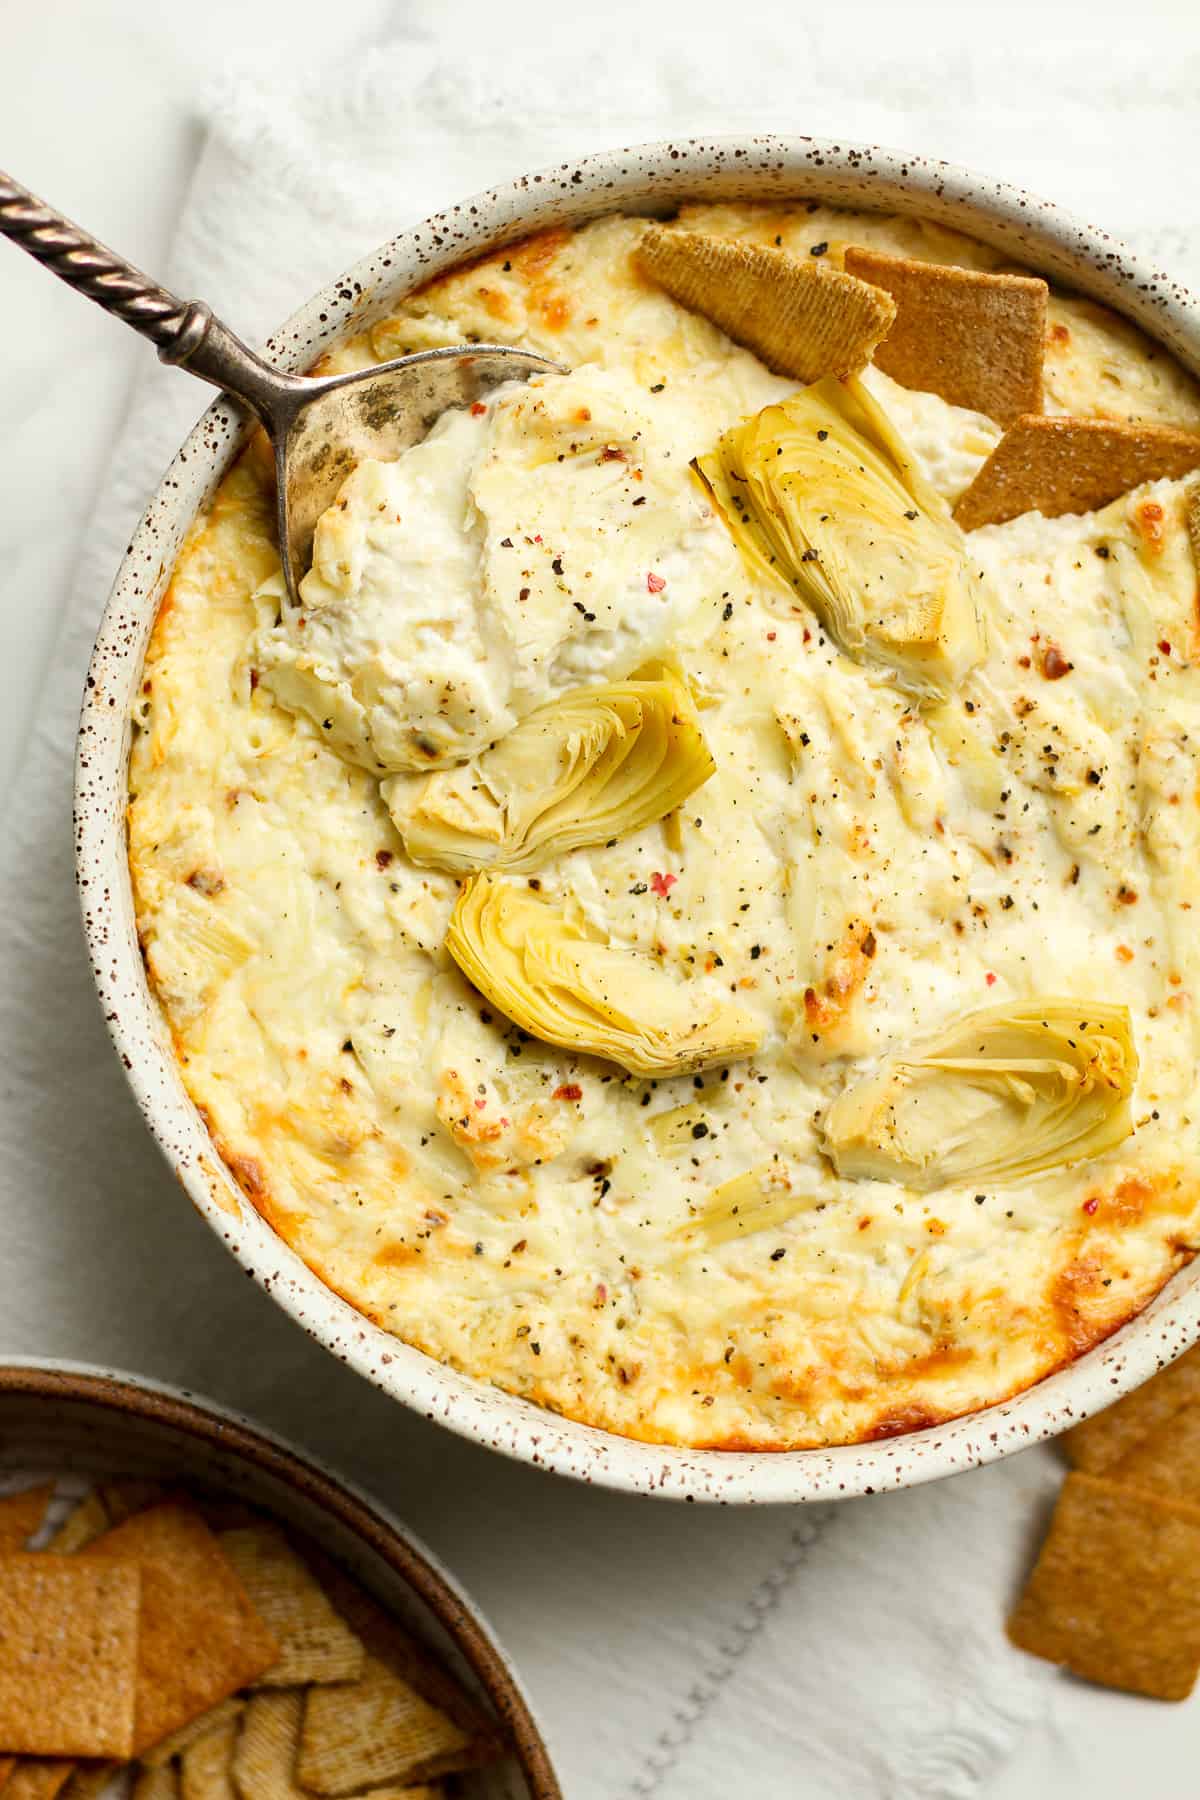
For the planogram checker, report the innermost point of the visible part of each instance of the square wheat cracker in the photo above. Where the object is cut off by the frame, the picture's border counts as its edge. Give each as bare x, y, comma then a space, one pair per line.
89, 1779
376, 1730
21, 1514
315, 1643
39, 1778
1115, 1595
225, 1712
160, 1783
1101, 1441
387, 1640
1056, 465
200, 1638
264, 1762
68, 1656
426, 1791
975, 338
206, 1766
799, 316
88, 1521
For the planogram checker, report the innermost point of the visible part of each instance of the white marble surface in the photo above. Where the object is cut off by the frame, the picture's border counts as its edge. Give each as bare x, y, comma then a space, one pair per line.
101, 107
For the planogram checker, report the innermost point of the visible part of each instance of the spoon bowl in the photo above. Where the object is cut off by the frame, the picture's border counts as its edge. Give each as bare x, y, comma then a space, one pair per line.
320, 427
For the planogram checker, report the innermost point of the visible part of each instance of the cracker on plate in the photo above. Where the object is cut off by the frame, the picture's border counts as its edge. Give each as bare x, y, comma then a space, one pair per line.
81, 1526
206, 1766
89, 1779
225, 1712
38, 1778
976, 339
1054, 466
377, 1729
159, 1783
264, 1763
799, 316
387, 1640
200, 1637
426, 1791
315, 1642
68, 1656
1101, 1441
21, 1514
1115, 1595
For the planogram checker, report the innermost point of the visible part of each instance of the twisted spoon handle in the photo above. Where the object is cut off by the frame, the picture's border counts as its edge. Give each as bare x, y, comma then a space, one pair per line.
185, 331
175, 326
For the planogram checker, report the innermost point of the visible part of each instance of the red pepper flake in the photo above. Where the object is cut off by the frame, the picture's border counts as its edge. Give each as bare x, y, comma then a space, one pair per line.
479, 1105
568, 1090
1054, 663
662, 884
383, 859
1164, 646
770, 637
610, 453
990, 979
478, 409
656, 583
1089, 1206
253, 680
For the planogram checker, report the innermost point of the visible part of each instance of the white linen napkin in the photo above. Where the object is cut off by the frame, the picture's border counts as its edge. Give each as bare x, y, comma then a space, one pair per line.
678, 1653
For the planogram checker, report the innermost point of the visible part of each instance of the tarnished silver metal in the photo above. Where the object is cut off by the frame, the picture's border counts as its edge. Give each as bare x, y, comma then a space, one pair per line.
320, 427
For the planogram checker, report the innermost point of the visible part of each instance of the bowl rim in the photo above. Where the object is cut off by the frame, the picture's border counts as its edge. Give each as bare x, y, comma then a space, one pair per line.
232, 1433
646, 178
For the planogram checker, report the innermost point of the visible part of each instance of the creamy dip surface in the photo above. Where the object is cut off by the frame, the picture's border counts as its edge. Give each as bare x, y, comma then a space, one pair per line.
677, 1259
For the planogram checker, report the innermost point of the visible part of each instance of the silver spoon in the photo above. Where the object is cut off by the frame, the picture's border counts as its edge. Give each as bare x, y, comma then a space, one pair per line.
320, 427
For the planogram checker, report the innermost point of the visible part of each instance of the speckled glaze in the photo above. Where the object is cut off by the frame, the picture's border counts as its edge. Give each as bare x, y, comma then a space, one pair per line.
65, 1418
651, 178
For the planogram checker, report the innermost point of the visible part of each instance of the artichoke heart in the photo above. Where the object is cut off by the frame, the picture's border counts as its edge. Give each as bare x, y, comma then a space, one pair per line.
821, 493
590, 766
563, 982
1006, 1093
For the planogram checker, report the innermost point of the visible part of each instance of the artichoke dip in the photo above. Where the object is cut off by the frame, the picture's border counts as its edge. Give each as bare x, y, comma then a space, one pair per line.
674, 925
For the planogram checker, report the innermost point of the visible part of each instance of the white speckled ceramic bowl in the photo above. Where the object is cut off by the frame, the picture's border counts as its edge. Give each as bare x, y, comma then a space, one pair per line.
59, 1418
653, 178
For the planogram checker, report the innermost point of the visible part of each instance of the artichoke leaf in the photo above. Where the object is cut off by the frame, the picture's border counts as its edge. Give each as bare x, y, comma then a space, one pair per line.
758, 1200
561, 980
676, 1131
592, 765
820, 493
1005, 1093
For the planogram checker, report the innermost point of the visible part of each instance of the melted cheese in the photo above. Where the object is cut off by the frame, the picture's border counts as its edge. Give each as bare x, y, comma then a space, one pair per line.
677, 1260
